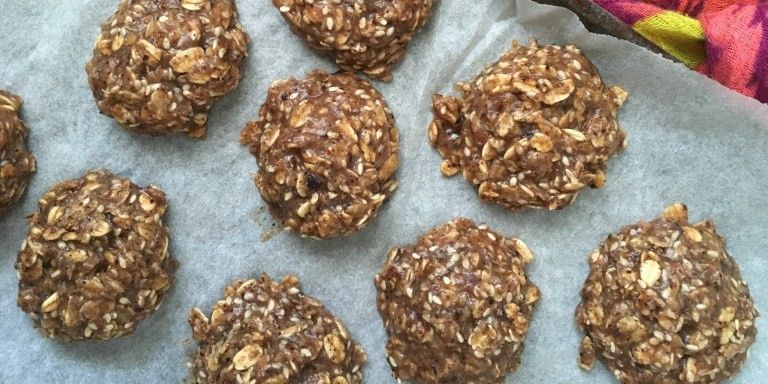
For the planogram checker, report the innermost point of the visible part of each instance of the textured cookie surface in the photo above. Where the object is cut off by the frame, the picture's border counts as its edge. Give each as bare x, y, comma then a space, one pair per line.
665, 303
327, 152
532, 130
16, 163
360, 35
456, 305
158, 65
269, 332
95, 261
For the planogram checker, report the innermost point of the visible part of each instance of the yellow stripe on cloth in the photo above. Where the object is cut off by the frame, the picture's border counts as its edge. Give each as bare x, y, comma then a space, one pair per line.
679, 35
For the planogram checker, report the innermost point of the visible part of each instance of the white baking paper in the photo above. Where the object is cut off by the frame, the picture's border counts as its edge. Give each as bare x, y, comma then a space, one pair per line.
690, 140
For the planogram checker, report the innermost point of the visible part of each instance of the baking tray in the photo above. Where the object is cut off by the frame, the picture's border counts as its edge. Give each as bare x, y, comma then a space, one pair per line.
689, 139
598, 20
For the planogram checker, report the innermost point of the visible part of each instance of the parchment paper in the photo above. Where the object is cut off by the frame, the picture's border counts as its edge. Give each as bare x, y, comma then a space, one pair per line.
690, 140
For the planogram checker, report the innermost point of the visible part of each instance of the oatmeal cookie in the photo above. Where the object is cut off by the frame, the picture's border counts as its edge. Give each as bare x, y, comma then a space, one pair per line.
269, 332
327, 152
360, 35
16, 163
665, 303
159, 65
456, 305
95, 261
532, 130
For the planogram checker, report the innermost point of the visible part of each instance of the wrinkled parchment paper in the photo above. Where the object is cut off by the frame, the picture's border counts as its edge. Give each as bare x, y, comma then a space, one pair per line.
690, 140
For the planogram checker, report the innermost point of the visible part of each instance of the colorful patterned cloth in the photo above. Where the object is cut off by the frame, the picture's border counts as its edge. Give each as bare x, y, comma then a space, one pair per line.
726, 40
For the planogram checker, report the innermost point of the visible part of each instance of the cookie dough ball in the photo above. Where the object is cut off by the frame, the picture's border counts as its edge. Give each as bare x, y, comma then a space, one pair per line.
264, 331
532, 130
327, 152
158, 65
456, 305
369, 36
95, 261
665, 303
16, 163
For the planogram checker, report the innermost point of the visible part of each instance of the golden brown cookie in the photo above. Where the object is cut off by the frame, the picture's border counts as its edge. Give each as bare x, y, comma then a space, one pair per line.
16, 163
360, 35
456, 305
327, 152
531, 130
665, 303
95, 261
159, 65
264, 331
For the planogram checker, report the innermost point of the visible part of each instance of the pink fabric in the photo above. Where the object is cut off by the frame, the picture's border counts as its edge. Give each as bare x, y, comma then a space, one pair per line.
628, 11
737, 48
736, 33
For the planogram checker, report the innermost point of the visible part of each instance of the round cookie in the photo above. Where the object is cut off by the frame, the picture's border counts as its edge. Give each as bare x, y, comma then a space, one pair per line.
16, 163
366, 35
665, 303
158, 65
95, 261
532, 130
327, 153
456, 305
264, 331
